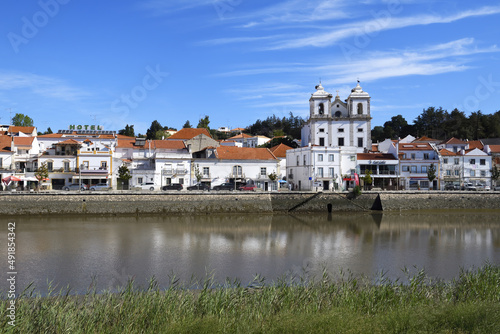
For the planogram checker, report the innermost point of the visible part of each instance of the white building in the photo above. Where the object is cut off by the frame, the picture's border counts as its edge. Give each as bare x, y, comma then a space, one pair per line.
415, 161
335, 132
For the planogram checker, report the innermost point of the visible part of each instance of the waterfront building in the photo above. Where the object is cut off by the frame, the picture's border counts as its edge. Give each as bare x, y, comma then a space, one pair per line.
415, 160
451, 172
477, 167
384, 168
332, 137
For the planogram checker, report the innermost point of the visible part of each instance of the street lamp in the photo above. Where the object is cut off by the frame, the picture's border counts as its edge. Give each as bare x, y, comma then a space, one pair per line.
80, 177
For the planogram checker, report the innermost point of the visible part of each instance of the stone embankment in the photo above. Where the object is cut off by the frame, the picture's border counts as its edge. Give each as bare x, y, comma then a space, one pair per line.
135, 203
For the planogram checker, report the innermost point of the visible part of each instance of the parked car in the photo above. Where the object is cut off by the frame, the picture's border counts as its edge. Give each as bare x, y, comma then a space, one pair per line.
224, 186
248, 187
451, 186
496, 188
199, 186
100, 186
173, 186
470, 187
483, 187
76, 186
147, 186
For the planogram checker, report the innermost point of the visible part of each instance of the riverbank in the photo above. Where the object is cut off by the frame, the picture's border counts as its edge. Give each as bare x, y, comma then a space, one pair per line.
467, 304
136, 203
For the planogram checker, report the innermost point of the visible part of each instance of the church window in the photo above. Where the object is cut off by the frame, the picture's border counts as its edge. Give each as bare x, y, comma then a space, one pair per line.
321, 130
341, 141
322, 142
341, 130
360, 109
338, 114
360, 142
360, 129
321, 109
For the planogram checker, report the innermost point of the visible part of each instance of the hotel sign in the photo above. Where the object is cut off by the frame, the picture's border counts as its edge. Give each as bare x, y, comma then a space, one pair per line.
85, 127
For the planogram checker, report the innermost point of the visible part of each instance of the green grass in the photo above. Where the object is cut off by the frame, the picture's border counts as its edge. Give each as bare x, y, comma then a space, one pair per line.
346, 304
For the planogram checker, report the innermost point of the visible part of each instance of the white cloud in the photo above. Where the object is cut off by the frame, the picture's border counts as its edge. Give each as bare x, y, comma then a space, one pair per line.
40, 85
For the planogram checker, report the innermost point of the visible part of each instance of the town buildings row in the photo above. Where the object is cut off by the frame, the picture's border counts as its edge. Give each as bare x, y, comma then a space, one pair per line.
335, 154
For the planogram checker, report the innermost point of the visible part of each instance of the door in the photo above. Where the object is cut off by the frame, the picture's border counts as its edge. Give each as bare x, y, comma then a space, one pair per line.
326, 185
266, 186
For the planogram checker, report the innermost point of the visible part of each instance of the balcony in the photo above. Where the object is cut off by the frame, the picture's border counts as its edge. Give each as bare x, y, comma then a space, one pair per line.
237, 176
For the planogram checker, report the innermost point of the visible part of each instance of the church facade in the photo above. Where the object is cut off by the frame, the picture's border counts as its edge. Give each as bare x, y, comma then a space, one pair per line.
335, 132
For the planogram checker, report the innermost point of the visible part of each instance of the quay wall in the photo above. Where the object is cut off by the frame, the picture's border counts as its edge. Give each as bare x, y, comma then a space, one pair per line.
136, 203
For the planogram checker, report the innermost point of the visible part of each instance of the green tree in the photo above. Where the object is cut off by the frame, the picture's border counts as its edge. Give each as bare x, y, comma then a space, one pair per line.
378, 134
282, 140
128, 131
367, 179
42, 173
431, 174
495, 174
187, 125
203, 123
152, 132
124, 175
22, 120
197, 173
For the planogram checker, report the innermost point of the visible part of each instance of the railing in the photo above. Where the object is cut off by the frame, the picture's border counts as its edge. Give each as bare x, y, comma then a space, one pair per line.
237, 176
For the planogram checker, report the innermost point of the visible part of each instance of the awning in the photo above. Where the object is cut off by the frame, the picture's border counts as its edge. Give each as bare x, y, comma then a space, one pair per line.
7, 180
29, 178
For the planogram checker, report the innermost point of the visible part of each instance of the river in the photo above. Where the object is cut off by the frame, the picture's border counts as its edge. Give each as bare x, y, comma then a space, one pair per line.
72, 251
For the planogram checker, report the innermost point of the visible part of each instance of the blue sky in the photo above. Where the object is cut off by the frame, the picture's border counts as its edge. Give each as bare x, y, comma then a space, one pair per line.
113, 63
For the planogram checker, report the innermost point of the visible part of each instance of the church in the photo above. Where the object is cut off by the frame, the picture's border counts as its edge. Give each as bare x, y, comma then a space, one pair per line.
335, 132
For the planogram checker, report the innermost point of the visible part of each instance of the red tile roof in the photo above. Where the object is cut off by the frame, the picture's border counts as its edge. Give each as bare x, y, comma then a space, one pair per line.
426, 139
374, 147
454, 140
168, 144
495, 148
244, 153
445, 152
189, 133
240, 136
375, 156
5, 143
23, 129
125, 143
422, 146
23, 141
279, 151
476, 144
69, 142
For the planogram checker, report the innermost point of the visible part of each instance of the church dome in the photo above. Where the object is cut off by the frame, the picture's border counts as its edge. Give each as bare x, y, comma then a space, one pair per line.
320, 92
358, 92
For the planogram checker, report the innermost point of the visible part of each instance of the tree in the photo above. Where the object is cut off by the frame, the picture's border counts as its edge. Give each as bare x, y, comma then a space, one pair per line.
197, 173
281, 140
203, 123
22, 120
128, 131
495, 174
187, 125
431, 173
42, 173
152, 132
124, 174
378, 134
368, 179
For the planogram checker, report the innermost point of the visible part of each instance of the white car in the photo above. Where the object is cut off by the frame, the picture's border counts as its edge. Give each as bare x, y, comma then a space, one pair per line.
148, 186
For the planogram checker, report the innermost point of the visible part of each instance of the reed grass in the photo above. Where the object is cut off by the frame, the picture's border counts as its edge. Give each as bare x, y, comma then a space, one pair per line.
469, 303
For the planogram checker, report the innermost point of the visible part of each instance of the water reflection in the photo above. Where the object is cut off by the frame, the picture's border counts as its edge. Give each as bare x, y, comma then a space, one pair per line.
70, 250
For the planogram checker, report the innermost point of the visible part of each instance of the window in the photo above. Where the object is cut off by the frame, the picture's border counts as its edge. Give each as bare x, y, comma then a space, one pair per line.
338, 114
104, 164
322, 142
321, 130
341, 141
360, 129
50, 166
66, 166
448, 172
472, 161
406, 169
237, 171
457, 172
304, 160
320, 171
139, 180
456, 161
320, 157
263, 171
353, 157
360, 109
482, 162
331, 171
472, 173
341, 130
85, 165
330, 157
206, 171
321, 109
424, 169
298, 160
413, 169
413, 156
426, 156
360, 142
445, 160
483, 173
181, 180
